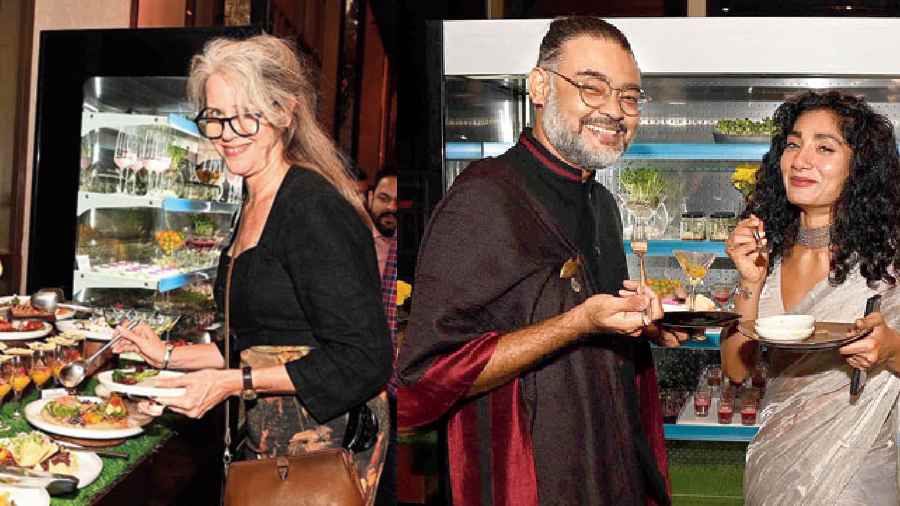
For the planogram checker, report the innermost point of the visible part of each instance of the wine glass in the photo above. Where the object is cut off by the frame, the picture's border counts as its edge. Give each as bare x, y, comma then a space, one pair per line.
56, 361
41, 367
161, 160
125, 157
69, 351
695, 265
722, 293
87, 158
21, 364
6, 375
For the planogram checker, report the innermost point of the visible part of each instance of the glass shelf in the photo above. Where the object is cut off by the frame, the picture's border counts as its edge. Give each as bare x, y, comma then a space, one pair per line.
737, 152
89, 200
165, 283
665, 247
690, 432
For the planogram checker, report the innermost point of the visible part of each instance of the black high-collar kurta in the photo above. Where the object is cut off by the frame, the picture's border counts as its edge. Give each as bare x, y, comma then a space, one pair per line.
567, 431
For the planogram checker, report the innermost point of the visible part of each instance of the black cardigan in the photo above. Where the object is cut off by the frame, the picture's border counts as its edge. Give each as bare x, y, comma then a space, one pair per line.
312, 279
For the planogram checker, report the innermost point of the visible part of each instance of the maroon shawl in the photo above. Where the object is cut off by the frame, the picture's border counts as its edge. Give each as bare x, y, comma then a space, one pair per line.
566, 431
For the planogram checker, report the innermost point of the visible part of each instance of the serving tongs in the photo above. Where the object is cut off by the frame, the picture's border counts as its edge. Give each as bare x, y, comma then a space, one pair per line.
858, 378
55, 484
72, 374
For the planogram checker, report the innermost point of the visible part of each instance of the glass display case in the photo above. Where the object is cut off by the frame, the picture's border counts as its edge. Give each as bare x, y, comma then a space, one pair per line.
130, 205
708, 119
155, 202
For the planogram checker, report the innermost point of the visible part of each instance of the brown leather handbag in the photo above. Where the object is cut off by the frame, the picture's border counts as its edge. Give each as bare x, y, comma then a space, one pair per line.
321, 478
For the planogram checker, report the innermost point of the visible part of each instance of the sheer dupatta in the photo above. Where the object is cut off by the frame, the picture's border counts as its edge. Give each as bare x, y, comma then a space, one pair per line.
815, 446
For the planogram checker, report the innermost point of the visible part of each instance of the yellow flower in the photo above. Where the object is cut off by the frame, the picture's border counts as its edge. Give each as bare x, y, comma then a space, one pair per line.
404, 290
744, 177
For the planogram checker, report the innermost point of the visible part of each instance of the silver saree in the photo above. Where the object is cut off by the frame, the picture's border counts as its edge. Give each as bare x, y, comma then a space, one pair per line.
814, 446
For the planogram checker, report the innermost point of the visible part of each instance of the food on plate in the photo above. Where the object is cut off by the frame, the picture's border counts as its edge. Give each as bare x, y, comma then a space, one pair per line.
36, 451
704, 303
74, 412
133, 376
27, 311
664, 288
25, 352
22, 308
20, 325
169, 240
5, 500
746, 127
42, 346
96, 325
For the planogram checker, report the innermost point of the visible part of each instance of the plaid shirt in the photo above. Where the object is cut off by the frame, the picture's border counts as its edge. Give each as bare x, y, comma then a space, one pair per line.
389, 293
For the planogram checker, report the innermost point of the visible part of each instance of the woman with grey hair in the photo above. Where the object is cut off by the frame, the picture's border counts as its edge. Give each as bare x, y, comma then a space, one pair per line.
305, 298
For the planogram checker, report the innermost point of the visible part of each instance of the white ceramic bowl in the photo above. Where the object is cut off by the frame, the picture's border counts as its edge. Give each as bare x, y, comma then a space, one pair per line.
786, 322
774, 334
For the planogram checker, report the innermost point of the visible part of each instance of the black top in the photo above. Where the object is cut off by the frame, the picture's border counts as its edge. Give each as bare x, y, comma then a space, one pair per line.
559, 187
312, 279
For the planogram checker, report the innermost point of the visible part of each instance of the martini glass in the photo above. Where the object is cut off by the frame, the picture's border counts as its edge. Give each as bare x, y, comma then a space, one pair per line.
695, 265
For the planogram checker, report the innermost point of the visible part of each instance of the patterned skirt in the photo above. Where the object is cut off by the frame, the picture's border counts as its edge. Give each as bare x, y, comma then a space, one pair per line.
280, 425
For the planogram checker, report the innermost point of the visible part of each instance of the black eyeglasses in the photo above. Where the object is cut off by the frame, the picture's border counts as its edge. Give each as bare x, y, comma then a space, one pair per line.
595, 92
243, 125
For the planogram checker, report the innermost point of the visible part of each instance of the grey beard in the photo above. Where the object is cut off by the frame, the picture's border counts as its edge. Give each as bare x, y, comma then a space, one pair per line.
569, 144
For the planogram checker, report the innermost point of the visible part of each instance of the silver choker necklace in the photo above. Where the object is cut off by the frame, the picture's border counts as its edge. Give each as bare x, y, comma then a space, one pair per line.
814, 238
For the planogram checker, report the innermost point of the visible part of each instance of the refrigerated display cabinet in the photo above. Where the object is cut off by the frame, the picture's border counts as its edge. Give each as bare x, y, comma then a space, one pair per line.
698, 72
130, 204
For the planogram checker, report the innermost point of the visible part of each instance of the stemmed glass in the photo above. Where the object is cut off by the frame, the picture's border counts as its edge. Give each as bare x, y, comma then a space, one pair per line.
21, 365
154, 152
41, 367
87, 158
695, 265
69, 351
722, 293
125, 157
6, 375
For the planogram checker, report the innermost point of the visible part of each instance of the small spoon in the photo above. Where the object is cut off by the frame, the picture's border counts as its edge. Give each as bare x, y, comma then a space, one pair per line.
73, 374
758, 239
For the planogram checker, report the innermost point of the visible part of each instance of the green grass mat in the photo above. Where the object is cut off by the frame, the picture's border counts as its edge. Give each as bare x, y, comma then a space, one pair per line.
138, 448
699, 484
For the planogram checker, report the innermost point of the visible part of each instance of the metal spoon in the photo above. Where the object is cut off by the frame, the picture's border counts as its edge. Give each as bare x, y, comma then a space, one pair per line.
73, 374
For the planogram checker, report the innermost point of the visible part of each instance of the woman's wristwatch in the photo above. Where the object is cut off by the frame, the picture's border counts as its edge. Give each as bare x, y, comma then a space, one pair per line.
248, 393
167, 356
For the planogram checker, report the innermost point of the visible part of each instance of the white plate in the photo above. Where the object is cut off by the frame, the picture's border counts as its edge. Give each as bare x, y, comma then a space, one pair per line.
33, 415
85, 328
34, 334
89, 467
145, 388
62, 313
27, 496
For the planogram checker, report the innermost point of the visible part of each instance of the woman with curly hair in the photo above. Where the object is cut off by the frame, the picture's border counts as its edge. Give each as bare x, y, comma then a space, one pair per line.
827, 209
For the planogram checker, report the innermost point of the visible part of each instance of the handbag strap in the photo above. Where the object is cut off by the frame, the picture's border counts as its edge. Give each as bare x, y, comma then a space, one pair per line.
226, 456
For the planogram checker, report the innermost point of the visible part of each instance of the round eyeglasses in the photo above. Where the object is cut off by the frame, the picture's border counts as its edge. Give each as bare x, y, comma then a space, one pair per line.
243, 125
595, 92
